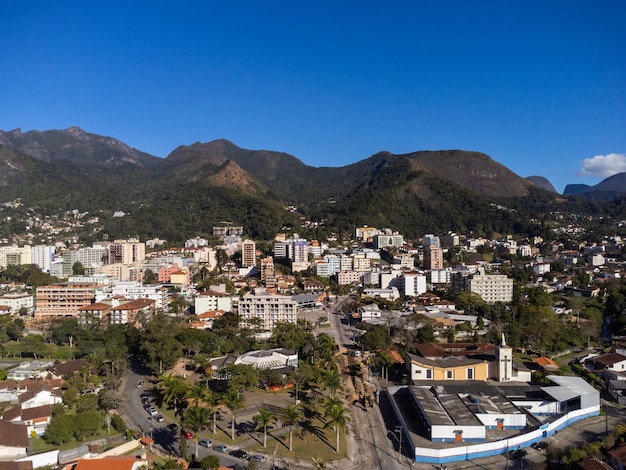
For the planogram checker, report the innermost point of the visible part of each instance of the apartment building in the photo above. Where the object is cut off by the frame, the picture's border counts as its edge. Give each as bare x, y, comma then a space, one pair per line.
433, 257
248, 253
15, 302
63, 299
268, 273
491, 288
129, 251
269, 308
212, 300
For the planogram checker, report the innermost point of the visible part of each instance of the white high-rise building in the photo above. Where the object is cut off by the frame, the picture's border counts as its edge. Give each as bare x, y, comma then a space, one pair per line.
42, 256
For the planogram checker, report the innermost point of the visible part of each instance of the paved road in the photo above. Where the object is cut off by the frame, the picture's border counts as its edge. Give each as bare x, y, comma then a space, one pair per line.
166, 441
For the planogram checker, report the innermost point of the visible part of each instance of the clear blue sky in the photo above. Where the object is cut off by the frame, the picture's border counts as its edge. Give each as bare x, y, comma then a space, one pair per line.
540, 86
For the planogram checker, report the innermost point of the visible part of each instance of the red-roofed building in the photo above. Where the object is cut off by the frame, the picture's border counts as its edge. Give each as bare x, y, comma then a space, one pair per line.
206, 319
111, 463
546, 363
13, 440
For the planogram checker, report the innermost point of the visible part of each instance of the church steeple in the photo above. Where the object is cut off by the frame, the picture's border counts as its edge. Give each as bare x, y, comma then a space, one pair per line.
504, 358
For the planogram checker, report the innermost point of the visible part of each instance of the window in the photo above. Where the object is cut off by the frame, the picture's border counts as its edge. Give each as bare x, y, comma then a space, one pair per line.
429, 374
449, 375
470, 374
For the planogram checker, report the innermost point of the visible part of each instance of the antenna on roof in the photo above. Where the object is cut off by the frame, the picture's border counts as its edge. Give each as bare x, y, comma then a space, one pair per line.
503, 340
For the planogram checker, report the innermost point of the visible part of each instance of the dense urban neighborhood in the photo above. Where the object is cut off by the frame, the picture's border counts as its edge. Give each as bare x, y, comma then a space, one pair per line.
370, 350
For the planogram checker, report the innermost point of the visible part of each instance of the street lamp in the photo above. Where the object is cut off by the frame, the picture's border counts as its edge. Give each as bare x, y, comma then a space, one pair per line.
398, 429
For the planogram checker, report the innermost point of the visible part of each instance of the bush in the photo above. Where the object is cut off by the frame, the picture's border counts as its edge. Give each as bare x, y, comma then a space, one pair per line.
118, 423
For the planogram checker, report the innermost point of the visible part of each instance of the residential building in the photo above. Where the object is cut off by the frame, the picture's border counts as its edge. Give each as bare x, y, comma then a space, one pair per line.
180, 277
268, 308
63, 299
133, 290
414, 283
42, 256
211, 300
15, 302
268, 274
490, 287
248, 253
134, 312
13, 440
361, 264
129, 251
15, 255
433, 258
348, 277
431, 240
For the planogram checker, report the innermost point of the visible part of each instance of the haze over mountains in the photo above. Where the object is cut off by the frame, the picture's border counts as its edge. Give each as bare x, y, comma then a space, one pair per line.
202, 183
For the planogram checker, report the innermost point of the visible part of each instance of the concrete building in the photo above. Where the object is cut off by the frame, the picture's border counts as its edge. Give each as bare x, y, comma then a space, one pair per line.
490, 287
348, 277
414, 283
15, 302
63, 299
212, 300
135, 290
248, 253
268, 273
268, 308
42, 256
433, 258
449, 421
129, 251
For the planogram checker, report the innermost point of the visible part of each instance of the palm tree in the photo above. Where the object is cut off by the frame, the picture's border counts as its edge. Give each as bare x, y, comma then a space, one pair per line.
195, 418
332, 380
291, 416
174, 389
197, 394
213, 401
264, 419
234, 401
338, 419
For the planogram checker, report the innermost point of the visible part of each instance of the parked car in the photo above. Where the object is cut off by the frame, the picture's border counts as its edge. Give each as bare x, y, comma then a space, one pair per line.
240, 454
540, 445
188, 434
160, 418
221, 448
257, 458
205, 443
519, 453
172, 427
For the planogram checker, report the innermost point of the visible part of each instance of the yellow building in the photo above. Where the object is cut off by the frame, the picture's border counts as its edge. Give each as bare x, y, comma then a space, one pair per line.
447, 368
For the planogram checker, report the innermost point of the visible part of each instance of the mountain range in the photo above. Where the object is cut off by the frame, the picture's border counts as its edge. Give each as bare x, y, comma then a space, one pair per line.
199, 185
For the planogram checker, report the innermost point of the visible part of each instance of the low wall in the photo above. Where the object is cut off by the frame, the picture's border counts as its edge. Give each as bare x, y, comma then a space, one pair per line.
44, 459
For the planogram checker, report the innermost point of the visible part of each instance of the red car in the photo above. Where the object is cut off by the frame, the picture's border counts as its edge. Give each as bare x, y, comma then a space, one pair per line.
188, 435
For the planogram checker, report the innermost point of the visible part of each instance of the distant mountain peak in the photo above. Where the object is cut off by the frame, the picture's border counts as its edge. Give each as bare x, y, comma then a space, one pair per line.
75, 131
542, 182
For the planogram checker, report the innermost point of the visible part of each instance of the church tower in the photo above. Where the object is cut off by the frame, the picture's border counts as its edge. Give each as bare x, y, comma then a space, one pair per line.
504, 359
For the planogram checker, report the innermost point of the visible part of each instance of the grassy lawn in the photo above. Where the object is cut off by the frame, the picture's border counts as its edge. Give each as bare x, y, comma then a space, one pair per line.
39, 445
319, 444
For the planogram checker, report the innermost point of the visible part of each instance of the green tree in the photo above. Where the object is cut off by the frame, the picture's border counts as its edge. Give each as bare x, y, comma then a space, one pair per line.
233, 400
211, 462
291, 417
78, 269
158, 346
87, 424
196, 418
174, 390
263, 419
60, 430
337, 418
